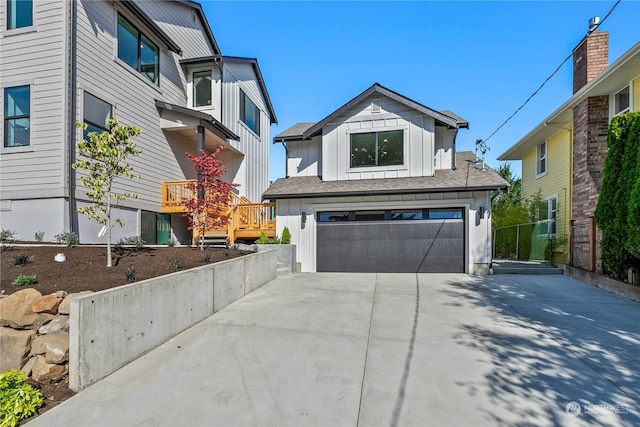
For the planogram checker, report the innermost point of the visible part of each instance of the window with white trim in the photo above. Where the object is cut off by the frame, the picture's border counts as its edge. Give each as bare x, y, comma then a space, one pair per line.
19, 14
17, 116
621, 101
202, 88
548, 216
541, 159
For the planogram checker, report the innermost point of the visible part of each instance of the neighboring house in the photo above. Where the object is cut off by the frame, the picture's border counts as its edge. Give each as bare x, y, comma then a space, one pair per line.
152, 64
563, 156
377, 186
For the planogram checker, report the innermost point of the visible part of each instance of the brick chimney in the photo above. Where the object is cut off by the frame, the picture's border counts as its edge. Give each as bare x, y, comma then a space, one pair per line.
590, 126
590, 58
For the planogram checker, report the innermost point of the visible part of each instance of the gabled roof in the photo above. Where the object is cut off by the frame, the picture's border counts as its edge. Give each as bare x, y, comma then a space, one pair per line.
256, 68
440, 118
198, 8
608, 82
132, 7
293, 133
466, 177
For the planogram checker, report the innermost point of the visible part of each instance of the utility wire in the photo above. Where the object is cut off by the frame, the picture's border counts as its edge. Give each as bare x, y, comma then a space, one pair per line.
591, 30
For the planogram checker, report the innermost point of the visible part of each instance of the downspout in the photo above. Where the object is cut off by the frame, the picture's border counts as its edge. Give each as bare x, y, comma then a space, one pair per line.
71, 111
453, 150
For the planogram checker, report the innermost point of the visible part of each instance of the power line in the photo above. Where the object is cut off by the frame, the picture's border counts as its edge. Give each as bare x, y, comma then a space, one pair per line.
591, 30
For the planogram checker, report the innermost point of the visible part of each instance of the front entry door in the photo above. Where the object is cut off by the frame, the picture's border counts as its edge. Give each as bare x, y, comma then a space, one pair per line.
163, 227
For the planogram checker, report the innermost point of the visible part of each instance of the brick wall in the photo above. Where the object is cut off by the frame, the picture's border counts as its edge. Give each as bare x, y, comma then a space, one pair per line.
590, 58
590, 126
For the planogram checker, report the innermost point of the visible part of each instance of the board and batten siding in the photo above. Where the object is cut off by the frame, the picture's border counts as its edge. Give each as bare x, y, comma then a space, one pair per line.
101, 73
253, 172
182, 24
304, 158
557, 181
419, 133
36, 57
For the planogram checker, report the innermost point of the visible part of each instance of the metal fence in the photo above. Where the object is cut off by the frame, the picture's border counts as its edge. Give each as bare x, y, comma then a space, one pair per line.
532, 241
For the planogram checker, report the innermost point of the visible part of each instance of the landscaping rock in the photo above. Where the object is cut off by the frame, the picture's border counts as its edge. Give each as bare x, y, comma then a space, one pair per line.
38, 346
59, 323
16, 310
15, 346
28, 367
57, 347
62, 294
47, 373
64, 306
42, 319
46, 304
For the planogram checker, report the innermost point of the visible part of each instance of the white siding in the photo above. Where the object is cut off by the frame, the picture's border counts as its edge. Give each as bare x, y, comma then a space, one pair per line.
253, 171
418, 141
101, 73
477, 229
181, 23
37, 58
445, 139
304, 158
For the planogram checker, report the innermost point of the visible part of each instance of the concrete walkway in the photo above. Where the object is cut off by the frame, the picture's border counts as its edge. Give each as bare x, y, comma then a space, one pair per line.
386, 349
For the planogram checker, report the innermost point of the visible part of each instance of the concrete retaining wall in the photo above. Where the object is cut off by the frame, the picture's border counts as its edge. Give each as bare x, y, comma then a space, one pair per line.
111, 328
608, 284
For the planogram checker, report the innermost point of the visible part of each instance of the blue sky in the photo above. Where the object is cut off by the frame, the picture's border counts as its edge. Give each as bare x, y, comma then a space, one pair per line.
478, 59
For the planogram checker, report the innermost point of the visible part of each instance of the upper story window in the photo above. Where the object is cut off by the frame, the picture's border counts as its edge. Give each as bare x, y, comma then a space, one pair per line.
249, 113
202, 89
96, 114
19, 14
621, 101
138, 51
377, 149
17, 116
541, 159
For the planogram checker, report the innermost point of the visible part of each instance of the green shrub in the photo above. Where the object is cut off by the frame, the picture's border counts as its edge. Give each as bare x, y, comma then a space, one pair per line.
39, 236
20, 260
175, 264
23, 279
131, 274
264, 240
207, 258
7, 236
67, 238
286, 236
133, 241
18, 399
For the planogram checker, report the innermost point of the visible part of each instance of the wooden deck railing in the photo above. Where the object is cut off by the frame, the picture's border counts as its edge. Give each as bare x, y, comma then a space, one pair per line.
246, 219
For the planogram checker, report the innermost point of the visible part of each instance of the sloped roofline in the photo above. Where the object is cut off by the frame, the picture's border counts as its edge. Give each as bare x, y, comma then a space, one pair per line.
256, 68
564, 114
378, 88
228, 133
198, 8
132, 7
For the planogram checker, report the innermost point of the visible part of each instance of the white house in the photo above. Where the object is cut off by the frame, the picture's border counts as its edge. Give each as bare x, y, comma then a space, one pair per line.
152, 64
377, 186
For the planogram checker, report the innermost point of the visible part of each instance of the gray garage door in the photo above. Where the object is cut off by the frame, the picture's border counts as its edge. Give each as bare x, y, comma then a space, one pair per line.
426, 246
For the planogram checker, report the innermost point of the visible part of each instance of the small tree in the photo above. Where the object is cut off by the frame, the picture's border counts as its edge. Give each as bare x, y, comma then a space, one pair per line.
106, 154
207, 207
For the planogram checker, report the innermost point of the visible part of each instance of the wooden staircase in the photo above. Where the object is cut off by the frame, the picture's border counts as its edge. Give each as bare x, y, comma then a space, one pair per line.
246, 220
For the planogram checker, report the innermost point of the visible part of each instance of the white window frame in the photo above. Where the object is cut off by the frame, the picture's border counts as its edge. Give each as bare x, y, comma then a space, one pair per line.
551, 214
612, 101
20, 30
190, 98
540, 157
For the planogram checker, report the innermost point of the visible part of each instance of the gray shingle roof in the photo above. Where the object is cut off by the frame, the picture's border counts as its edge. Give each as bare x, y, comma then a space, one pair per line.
466, 177
294, 132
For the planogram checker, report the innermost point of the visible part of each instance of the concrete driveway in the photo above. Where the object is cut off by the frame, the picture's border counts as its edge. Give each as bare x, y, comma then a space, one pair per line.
386, 349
